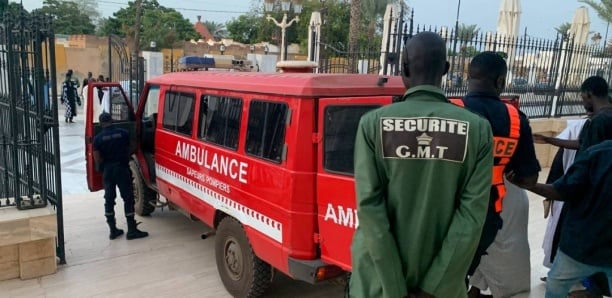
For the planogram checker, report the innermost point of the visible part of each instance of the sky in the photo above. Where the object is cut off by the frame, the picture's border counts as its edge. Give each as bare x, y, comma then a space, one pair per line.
539, 17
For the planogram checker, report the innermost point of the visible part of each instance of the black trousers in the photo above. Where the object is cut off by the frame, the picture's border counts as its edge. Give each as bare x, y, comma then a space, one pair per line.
115, 176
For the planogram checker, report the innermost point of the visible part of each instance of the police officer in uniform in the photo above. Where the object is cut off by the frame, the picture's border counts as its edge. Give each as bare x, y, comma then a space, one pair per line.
112, 149
513, 150
423, 171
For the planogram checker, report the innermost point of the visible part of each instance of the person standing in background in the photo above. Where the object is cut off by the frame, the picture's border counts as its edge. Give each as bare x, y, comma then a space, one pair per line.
70, 97
87, 80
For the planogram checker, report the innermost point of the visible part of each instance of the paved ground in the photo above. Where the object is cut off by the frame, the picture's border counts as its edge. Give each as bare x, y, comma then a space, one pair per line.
173, 261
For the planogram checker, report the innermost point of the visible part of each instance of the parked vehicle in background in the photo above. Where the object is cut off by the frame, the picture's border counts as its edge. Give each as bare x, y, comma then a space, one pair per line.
543, 88
519, 84
266, 159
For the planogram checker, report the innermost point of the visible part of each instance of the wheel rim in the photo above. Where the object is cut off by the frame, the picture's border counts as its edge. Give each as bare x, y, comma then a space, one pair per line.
232, 253
135, 191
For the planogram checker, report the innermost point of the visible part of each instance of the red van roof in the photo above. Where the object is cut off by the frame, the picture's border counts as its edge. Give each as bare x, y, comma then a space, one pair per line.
295, 84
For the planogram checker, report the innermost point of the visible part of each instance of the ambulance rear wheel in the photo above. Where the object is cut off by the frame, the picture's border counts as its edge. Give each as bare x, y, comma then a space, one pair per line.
243, 274
143, 195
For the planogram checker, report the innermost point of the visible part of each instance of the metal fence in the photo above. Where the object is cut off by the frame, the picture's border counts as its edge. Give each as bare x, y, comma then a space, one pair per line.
125, 68
30, 174
545, 73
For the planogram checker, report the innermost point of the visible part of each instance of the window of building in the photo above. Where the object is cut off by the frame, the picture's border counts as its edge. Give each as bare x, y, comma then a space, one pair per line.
266, 130
178, 112
340, 130
220, 120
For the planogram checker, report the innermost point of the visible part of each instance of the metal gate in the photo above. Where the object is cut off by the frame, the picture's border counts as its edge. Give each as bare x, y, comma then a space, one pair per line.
30, 174
123, 67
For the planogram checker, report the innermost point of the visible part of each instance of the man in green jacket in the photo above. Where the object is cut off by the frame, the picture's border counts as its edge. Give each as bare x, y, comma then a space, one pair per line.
423, 172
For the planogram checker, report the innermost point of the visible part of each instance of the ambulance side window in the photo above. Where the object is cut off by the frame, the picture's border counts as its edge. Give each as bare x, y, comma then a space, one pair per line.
178, 112
266, 130
340, 129
220, 120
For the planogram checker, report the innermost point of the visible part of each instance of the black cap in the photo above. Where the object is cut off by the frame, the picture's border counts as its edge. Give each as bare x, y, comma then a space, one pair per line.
105, 118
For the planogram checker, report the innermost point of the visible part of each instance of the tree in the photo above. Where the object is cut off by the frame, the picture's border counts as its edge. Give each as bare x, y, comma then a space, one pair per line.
12, 8
355, 25
68, 17
602, 7
467, 33
163, 25
563, 28
241, 29
373, 12
90, 8
252, 28
336, 15
218, 30
3, 6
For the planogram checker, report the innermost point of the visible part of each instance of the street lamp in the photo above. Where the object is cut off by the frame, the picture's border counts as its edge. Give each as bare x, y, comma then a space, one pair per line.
285, 7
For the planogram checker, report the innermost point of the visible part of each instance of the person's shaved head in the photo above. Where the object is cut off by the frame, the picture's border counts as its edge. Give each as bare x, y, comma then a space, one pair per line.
487, 66
487, 72
424, 60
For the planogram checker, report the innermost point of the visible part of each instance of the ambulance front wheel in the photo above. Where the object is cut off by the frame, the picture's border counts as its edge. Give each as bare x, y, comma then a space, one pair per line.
243, 274
143, 195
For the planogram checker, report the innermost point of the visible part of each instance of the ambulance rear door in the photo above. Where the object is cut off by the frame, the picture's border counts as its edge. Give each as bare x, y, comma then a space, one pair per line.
109, 97
338, 119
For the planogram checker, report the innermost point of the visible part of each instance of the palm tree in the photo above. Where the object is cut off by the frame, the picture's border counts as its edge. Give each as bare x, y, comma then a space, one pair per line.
466, 33
372, 11
563, 28
218, 30
602, 7
354, 30
355, 22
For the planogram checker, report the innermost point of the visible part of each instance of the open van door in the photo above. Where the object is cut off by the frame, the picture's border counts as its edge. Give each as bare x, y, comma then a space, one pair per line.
338, 119
109, 97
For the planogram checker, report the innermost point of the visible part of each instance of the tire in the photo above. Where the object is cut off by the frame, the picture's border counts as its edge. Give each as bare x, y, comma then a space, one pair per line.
243, 274
143, 195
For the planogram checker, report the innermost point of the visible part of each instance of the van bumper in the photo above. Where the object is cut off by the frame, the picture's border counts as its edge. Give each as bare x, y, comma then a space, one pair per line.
312, 271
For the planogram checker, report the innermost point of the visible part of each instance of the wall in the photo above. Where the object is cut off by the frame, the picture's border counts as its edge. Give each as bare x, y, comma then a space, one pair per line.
548, 127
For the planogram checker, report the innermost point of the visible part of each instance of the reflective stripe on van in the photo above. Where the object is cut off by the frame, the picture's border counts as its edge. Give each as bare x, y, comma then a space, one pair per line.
247, 216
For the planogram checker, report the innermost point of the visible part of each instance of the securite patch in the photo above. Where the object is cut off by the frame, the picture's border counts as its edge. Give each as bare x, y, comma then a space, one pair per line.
424, 138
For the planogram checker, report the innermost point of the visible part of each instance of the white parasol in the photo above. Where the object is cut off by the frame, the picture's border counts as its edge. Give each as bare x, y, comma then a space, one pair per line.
314, 37
508, 30
579, 33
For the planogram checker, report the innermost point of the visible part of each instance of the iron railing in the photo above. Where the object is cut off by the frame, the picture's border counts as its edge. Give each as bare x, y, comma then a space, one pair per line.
30, 174
545, 73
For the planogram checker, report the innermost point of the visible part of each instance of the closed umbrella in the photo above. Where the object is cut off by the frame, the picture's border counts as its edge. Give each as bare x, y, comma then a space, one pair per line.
314, 37
509, 18
579, 30
579, 33
508, 30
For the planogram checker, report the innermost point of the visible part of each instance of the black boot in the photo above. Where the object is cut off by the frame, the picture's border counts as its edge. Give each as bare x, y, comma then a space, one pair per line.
112, 224
133, 231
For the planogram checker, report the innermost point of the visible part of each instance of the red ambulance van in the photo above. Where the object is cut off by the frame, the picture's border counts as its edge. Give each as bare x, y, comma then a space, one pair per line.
264, 159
